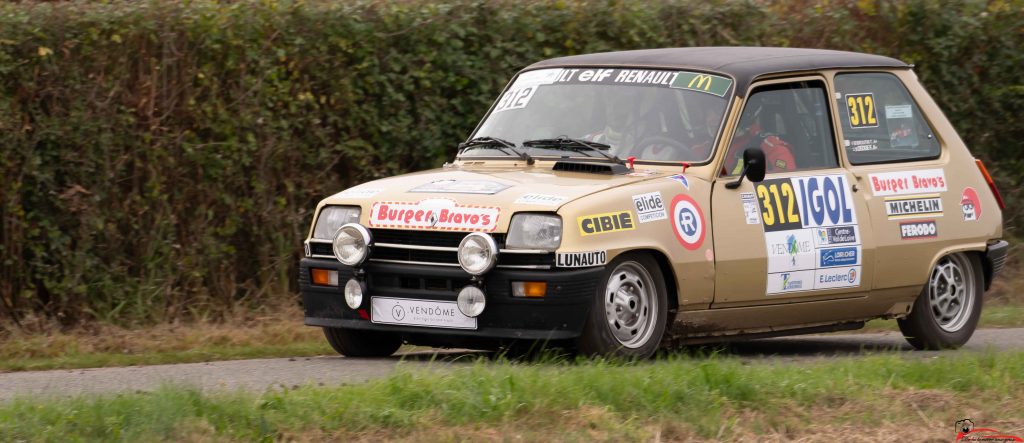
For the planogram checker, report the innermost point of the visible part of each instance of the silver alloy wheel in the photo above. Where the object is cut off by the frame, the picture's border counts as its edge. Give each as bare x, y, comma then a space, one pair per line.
631, 304
951, 292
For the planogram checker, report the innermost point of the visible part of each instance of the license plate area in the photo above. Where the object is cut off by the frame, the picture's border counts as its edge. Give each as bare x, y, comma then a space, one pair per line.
412, 312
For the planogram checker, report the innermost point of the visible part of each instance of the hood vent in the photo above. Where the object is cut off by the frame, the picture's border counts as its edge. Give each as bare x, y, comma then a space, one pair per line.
591, 168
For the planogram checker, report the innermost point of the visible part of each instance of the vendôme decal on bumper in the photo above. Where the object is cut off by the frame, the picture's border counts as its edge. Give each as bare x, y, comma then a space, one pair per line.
811, 233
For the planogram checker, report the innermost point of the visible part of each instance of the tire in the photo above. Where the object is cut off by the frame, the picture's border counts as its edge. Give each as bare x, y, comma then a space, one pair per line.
357, 343
632, 325
946, 313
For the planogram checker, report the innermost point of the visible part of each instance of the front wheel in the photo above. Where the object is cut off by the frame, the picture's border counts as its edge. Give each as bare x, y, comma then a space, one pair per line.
358, 343
630, 310
946, 313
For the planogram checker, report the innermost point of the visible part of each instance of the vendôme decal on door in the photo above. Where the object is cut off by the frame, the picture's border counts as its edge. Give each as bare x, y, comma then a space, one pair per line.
811, 233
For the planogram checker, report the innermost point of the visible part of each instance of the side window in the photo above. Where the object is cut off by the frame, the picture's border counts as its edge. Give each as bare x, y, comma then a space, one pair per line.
881, 123
790, 122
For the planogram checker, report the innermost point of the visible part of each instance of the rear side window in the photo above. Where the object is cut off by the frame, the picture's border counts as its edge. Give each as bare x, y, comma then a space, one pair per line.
881, 122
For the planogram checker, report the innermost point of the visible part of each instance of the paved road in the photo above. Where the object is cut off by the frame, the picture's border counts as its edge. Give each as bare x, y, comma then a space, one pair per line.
262, 374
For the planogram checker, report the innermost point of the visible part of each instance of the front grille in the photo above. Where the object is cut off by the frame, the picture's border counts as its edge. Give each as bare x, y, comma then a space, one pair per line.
425, 238
420, 250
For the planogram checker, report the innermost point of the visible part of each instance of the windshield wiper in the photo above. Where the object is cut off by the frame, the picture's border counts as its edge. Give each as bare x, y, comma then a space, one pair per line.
495, 143
564, 143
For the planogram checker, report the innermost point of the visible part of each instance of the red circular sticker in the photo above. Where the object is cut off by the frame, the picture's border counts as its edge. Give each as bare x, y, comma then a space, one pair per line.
688, 222
970, 204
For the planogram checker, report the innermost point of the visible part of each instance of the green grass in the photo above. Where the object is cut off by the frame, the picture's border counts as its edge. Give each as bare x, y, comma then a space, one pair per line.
674, 399
998, 316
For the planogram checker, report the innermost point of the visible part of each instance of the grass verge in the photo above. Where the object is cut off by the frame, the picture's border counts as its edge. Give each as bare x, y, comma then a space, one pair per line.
1005, 316
675, 399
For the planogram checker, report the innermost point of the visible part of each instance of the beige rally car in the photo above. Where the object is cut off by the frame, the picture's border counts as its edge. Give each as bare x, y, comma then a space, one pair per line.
609, 200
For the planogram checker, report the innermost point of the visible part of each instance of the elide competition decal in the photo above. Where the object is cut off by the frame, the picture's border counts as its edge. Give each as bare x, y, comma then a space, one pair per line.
649, 207
811, 233
434, 214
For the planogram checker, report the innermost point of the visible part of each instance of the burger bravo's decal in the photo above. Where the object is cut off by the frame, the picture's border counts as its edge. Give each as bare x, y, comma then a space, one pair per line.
581, 259
439, 214
486, 187
811, 233
688, 222
907, 182
970, 204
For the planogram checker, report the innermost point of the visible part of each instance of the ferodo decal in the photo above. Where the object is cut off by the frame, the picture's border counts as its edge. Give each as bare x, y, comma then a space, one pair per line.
581, 259
605, 223
914, 206
434, 214
688, 222
811, 231
970, 204
908, 182
462, 187
649, 207
918, 229
861, 109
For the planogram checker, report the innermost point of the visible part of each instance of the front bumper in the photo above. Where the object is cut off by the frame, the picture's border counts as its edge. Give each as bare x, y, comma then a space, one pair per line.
557, 316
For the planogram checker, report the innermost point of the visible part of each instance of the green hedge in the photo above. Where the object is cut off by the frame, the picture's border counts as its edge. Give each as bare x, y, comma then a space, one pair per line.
160, 159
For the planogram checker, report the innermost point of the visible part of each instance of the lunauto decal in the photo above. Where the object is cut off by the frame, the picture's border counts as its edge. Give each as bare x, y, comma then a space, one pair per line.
810, 226
581, 259
605, 223
434, 214
970, 204
918, 229
914, 206
687, 221
462, 187
649, 207
907, 182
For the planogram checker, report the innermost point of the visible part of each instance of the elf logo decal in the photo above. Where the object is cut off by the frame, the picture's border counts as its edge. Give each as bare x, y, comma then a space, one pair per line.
434, 214
918, 229
970, 204
605, 223
687, 221
914, 206
581, 259
805, 202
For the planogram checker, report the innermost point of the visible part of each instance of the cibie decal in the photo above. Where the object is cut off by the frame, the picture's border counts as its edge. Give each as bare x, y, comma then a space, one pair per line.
907, 182
687, 222
970, 204
605, 223
649, 207
913, 206
434, 214
581, 259
541, 199
681, 179
462, 187
918, 229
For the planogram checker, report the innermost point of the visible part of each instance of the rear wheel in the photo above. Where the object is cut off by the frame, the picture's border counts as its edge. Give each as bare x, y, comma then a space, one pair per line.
947, 311
630, 311
358, 343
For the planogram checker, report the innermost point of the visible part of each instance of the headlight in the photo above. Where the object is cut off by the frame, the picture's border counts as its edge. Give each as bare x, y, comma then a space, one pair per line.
534, 231
331, 218
352, 244
478, 253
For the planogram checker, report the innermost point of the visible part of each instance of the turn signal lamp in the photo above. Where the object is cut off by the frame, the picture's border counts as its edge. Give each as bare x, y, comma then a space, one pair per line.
529, 288
324, 277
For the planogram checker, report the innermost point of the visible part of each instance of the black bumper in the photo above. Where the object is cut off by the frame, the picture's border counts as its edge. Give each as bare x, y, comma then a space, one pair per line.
557, 316
995, 258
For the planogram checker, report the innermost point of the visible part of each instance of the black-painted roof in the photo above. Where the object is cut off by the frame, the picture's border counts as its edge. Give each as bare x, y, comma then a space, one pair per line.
744, 64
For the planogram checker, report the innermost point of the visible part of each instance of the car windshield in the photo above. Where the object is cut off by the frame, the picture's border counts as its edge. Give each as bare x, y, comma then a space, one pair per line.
653, 115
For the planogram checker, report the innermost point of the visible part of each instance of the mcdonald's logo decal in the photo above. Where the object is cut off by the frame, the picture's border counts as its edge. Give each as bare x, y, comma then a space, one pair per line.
711, 84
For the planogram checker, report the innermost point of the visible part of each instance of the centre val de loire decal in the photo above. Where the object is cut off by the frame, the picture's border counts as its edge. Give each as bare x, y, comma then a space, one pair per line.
439, 214
811, 233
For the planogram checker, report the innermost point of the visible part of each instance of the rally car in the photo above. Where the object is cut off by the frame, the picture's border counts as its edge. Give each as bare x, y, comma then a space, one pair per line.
609, 201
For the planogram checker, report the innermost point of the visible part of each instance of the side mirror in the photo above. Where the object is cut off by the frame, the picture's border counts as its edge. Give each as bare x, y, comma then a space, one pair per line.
754, 168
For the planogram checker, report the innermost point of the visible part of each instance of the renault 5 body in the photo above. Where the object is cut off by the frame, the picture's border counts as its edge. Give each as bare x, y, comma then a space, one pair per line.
608, 200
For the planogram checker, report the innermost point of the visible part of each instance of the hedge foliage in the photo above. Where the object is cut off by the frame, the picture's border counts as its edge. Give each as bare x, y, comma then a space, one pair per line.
159, 160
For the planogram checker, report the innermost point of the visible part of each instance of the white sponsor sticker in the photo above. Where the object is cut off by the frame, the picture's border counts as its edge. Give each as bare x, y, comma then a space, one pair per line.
750, 208
913, 206
541, 199
434, 314
908, 182
833, 278
649, 207
900, 111
793, 281
581, 259
434, 214
790, 250
359, 192
836, 235
486, 187
918, 229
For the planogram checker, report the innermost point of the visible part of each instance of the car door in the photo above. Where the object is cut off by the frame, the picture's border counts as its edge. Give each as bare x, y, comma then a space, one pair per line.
796, 235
